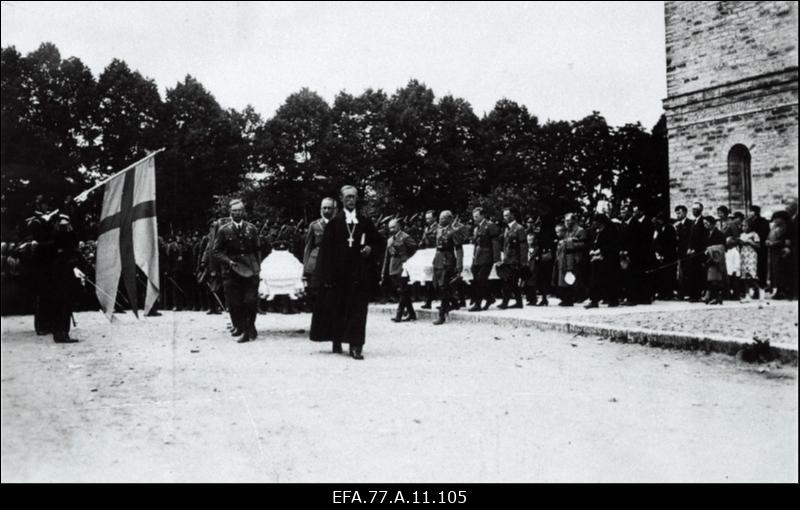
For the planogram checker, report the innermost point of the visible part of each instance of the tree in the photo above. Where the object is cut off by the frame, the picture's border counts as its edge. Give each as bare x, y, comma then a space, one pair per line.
642, 166
297, 163
359, 138
49, 125
130, 108
206, 154
408, 177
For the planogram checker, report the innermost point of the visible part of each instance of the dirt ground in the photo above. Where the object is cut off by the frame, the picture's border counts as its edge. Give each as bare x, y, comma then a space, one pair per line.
175, 399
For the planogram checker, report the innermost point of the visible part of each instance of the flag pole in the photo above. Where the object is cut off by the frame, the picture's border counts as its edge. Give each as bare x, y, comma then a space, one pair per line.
83, 195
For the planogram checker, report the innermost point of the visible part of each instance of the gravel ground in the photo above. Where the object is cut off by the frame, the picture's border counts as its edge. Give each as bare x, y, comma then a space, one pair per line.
765, 322
174, 399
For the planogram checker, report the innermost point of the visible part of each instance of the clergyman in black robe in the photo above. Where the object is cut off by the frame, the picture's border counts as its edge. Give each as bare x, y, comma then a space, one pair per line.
346, 270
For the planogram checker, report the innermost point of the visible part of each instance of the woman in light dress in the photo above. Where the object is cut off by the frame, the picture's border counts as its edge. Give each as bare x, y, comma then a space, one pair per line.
749, 244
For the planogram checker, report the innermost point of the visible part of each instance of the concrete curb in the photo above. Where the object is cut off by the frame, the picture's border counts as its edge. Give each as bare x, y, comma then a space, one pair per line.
786, 353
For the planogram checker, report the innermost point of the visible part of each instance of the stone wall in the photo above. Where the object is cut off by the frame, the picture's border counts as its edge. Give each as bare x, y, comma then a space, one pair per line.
712, 43
732, 79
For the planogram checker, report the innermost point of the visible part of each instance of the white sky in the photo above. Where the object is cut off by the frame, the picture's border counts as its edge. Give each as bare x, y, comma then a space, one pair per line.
560, 59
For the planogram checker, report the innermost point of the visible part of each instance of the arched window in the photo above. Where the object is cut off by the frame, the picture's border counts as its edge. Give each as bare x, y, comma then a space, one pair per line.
740, 195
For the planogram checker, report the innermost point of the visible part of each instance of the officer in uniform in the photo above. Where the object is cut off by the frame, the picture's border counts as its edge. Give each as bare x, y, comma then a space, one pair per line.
486, 239
429, 241
236, 247
399, 248
447, 263
513, 258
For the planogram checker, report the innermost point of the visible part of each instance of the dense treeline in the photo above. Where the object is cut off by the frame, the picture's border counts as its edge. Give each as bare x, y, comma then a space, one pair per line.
62, 129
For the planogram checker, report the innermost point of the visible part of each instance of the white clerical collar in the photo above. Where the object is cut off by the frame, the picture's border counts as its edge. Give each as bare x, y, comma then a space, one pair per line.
350, 216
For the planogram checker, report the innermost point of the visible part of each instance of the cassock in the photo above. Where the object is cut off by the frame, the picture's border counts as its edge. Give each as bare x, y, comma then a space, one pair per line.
347, 279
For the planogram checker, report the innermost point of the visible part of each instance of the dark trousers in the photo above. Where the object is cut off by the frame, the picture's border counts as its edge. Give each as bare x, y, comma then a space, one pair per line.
603, 284
510, 276
429, 292
442, 279
400, 284
480, 282
241, 295
695, 277
60, 315
665, 279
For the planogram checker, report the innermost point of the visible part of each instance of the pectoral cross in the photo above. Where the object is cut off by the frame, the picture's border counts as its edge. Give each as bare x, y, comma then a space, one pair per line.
350, 241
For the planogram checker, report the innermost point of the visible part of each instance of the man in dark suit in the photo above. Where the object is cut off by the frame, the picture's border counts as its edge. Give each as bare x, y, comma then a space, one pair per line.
513, 258
399, 248
429, 241
604, 262
698, 240
236, 247
683, 227
311, 252
665, 244
486, 240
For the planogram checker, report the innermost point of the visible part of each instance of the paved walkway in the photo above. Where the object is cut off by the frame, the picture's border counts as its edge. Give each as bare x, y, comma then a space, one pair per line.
723, 328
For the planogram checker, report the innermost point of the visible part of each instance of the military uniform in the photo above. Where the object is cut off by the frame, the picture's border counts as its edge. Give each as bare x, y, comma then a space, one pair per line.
239, 244
514, 258
486, 239
429, 241
399, 249
447, 266
212, 278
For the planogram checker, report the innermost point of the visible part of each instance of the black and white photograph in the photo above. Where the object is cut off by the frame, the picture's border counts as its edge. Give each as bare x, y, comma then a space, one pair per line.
417, 245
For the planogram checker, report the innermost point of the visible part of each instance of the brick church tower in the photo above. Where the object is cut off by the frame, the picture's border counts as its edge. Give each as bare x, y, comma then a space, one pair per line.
731, 103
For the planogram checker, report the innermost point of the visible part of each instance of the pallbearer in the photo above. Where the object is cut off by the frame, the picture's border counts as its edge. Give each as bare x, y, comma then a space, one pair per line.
448, 263
429, 241
486, 254
399, 248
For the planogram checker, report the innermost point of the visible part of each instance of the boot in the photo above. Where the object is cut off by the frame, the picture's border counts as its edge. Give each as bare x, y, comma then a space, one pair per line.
476, 307
442, 316
251, 321
236, 321
337, 347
